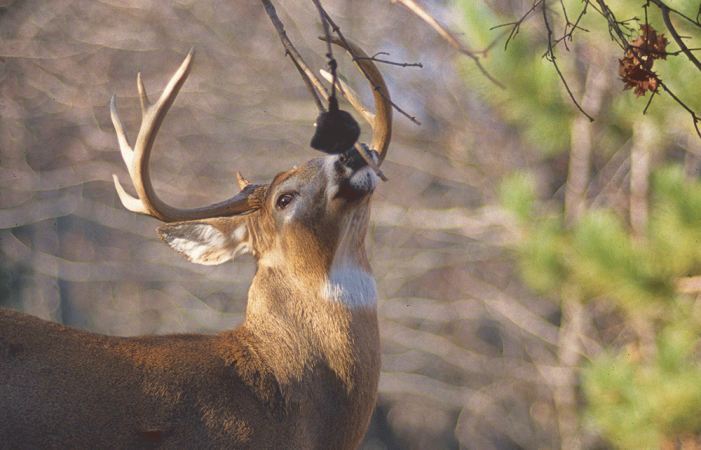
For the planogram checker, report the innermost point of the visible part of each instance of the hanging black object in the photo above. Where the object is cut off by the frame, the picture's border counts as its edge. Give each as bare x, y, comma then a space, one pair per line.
336, 130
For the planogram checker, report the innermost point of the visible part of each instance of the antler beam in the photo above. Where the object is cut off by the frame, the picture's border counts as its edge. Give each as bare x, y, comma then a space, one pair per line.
137, 160
381, 123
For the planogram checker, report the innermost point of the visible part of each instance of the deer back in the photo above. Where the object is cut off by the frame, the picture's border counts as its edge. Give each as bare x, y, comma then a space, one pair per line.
300, 372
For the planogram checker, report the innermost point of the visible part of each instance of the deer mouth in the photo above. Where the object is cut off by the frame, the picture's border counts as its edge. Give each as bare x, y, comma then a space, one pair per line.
355, 161
356, 179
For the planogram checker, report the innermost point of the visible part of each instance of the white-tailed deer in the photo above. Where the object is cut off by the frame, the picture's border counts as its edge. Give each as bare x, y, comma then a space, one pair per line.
300, 372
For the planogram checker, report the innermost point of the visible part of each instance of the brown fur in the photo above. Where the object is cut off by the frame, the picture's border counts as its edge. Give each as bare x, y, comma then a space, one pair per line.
301, 372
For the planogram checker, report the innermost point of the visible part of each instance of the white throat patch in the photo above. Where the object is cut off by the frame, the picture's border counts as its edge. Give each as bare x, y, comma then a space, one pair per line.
350, 286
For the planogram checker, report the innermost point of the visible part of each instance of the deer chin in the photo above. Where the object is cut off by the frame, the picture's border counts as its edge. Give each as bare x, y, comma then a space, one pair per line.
353, 177
300, 372
359, 185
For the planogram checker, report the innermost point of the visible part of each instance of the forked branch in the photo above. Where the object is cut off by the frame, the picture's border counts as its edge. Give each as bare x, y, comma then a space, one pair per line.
305, 72
414, 7
381, 134
337, 30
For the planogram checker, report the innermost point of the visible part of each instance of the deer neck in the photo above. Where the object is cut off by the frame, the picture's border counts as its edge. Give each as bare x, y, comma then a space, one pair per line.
317, 312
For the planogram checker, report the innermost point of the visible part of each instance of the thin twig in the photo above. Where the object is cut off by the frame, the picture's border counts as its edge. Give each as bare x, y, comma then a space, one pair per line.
550, 54
569, 35
614, 27
412, 6
664, 53
309, 78
516, 26
689, 110
649, 102
670, 26
375, 87
374, 58
491, 45
333, 65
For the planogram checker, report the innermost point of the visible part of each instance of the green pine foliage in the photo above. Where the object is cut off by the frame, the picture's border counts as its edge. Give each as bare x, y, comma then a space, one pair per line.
639, 404
636, 398
534, 100
675, 226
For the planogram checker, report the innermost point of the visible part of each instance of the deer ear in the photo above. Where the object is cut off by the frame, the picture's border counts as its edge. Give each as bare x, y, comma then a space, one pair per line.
208, 241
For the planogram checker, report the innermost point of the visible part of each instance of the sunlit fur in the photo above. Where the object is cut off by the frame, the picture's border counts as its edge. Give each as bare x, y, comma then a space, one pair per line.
300, 372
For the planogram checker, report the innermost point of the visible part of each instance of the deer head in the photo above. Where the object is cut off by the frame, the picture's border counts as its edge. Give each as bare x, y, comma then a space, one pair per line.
306, 229
312, 302
301, 371
309, 222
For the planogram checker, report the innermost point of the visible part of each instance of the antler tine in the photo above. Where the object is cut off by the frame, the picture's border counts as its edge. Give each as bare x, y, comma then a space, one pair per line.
382, 126
137, 159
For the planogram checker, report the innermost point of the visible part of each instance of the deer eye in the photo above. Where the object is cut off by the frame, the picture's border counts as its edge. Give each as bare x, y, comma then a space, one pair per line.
284, 201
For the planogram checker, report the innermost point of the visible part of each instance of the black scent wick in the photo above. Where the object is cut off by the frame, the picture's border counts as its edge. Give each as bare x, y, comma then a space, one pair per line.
336, 130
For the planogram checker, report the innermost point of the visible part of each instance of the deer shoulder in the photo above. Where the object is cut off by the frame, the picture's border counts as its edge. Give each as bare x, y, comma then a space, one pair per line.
300, 372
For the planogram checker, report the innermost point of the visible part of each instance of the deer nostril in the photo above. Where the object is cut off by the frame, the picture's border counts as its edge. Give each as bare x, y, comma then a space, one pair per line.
354, 160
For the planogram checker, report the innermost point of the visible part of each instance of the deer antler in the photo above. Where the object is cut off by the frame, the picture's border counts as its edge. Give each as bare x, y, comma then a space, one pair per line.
381, 123
137, 160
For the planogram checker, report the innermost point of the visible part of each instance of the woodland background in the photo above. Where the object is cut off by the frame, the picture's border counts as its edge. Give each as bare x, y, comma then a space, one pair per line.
534, 267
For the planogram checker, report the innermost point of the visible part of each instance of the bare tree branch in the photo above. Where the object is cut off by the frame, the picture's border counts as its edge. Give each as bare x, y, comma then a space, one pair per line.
620, 33
516, 26
333, 65
337, 30
307, 75
665, 10
392, 63
550, 55
412, 6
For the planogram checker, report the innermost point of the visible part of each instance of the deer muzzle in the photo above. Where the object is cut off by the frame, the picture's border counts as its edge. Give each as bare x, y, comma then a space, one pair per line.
355, 177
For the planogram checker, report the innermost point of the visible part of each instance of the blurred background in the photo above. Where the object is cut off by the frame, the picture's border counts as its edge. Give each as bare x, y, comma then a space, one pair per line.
535, 269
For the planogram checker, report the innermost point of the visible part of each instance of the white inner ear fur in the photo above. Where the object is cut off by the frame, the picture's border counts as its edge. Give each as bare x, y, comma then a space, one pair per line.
204, 243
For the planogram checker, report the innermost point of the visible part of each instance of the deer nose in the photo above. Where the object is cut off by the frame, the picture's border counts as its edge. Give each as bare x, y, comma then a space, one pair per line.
354, 160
